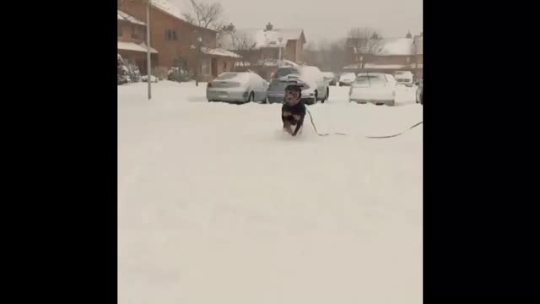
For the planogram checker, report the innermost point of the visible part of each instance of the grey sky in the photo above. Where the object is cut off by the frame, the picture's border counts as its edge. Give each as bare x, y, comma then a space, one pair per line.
326, 19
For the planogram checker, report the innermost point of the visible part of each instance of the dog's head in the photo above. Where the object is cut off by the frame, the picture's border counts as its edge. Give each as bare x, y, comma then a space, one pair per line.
293, 93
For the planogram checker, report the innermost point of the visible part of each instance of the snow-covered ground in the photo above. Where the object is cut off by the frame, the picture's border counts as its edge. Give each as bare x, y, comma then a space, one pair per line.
217, 205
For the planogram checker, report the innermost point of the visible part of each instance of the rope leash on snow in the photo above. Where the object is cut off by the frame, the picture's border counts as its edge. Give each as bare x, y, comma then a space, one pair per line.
373, 137
397, 134
315, 128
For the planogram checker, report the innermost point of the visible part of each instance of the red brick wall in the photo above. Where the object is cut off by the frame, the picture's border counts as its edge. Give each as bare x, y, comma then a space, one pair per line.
160, 22
299, 51
290, 50
127, 30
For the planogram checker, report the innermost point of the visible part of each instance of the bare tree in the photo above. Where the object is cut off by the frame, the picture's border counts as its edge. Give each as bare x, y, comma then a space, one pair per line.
327, 55
244, 45
205, 14
364, 41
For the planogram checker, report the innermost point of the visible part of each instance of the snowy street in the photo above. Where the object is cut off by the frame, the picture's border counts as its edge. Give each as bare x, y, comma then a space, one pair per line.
217, 205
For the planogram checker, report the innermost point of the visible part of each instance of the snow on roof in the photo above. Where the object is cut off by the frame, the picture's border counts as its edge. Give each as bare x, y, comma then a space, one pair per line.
394, 46
291, 34
219, 52
169, 8
130, 46
125, 17
269, 39
261, 38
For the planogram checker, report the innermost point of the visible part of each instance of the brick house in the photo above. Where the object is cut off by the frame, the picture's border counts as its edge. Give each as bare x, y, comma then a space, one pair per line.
262, 44
180, 43
131, 41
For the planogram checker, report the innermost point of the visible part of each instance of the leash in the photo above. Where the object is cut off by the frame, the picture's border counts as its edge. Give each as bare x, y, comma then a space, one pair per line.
372, 137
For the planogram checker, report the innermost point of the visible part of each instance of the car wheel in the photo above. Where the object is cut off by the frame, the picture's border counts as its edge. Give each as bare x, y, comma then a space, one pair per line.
251, 97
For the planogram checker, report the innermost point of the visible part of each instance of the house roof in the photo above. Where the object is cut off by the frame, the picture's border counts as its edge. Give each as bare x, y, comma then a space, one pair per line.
219, 52
169, 8
260, 38
390, 47
394, 46
128, 18
131, 46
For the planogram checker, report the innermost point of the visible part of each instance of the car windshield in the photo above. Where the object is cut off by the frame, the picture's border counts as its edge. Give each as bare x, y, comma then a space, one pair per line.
226, 76
347, 76
286, 71
370, 81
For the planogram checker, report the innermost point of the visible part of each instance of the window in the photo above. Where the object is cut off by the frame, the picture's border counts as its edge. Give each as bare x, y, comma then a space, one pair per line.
224, 66
171, 35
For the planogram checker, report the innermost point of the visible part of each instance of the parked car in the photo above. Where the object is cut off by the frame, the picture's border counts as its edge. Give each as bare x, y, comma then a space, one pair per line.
237, 87
377, 88
330, 77
315, 87
404, 78
346, 79
420, 92
278, 82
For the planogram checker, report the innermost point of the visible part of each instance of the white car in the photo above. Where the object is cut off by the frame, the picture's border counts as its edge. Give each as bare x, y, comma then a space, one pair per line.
346, 79
330, 77
404, 78
377, 88
315, 86
237, 87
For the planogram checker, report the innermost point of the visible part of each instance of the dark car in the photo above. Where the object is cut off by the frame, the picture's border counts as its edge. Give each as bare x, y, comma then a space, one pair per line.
276, 89
420, 92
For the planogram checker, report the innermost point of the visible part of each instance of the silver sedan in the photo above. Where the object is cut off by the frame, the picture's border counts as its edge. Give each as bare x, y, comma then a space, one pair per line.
237, 87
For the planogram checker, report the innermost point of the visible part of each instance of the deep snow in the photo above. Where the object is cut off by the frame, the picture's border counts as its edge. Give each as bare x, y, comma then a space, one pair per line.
217, 205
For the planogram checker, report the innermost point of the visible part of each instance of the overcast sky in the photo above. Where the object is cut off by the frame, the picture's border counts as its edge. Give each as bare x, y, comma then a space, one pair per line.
325, 19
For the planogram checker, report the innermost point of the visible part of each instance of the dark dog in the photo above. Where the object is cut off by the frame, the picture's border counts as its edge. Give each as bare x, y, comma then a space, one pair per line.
293, 110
